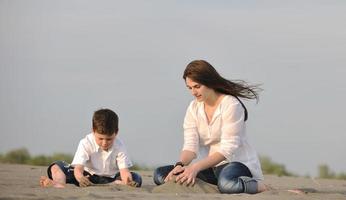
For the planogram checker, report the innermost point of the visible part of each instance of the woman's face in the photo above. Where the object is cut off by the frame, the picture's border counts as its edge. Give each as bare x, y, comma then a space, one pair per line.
201, 92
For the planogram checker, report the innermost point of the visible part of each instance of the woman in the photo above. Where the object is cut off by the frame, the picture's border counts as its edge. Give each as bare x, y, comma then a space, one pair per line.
215, 124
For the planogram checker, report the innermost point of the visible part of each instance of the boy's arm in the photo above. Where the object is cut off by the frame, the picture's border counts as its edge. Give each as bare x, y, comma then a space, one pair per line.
123, 162
78, 174
126, 176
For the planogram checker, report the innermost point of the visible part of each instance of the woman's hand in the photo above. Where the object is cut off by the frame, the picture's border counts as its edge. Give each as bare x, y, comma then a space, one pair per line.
177, 170
188, 176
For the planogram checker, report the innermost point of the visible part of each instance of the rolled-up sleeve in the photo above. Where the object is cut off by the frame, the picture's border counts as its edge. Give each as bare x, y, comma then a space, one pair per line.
191, 138
122, 158
232, 130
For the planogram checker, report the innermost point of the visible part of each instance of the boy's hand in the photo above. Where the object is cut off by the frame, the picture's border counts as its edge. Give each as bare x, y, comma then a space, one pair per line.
84, 181
126, 176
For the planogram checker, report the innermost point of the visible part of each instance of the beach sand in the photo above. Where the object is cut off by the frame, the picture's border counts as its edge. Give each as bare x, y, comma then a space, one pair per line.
22, 182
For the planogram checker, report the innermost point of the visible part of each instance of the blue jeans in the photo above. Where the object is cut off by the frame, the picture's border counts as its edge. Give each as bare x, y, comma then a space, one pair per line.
230, 178
70, 178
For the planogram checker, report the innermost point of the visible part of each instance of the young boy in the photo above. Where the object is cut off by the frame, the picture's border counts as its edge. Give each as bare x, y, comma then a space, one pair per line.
99, 156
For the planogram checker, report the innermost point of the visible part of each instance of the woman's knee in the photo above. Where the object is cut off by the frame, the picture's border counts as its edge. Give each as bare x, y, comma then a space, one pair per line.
160, 174
230, 185
241, 184
158, 177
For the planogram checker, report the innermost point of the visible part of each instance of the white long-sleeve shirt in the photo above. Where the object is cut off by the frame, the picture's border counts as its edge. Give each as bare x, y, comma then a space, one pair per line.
100, 162
224, 134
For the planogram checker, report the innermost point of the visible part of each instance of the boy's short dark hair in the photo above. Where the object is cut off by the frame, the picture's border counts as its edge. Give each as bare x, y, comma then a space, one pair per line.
105, 122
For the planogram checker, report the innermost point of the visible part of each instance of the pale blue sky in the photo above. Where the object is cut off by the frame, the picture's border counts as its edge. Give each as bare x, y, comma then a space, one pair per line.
62, 60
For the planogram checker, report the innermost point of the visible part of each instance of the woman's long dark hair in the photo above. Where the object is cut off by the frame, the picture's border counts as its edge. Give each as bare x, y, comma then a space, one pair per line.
202, 72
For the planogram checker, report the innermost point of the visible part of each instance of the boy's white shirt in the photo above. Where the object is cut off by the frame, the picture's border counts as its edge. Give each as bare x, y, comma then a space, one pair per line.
226, 134
100, 162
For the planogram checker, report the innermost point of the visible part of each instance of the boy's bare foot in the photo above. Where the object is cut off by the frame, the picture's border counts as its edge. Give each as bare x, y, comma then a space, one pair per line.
47, 182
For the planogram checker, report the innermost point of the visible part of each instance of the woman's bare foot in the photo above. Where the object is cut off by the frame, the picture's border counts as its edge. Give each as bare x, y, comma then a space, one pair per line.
47, 182
297, 191
261, 187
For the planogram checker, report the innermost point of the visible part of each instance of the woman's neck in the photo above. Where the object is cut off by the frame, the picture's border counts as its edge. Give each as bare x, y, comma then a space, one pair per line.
214, 99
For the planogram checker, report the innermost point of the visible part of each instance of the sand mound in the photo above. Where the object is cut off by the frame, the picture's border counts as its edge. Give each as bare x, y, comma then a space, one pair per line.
199, 187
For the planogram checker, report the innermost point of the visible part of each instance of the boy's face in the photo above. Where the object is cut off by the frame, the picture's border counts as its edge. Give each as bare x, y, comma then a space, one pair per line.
104, 141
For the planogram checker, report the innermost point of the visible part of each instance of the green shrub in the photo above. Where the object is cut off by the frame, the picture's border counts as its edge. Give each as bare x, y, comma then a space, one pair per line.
17, 156
22, 156
40, 160
341, 176
47, 160
325, 172
139, 167
270, 167
61, 156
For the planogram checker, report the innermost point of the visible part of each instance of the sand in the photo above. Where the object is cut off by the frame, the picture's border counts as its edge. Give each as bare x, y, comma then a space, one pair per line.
22, 182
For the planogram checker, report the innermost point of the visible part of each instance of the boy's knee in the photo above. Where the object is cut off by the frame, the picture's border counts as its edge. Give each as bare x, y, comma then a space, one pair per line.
137, 178
55, 169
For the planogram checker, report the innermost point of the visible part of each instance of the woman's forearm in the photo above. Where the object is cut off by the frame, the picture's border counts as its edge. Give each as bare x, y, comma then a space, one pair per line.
187, 156
209, 161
